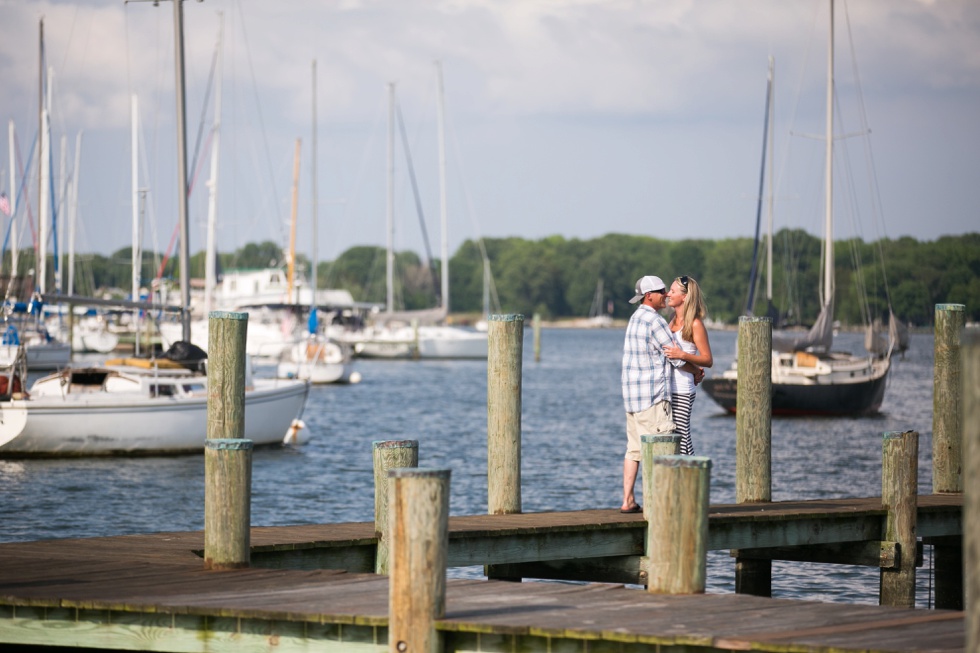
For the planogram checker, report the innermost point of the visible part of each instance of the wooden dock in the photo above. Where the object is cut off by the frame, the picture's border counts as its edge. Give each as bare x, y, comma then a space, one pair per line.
308, 588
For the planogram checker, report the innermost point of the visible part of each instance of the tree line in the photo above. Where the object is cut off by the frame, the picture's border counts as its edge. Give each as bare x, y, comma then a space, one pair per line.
558, 277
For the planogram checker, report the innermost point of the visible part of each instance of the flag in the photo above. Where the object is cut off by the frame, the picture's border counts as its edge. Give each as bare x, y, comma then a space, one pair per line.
4, 204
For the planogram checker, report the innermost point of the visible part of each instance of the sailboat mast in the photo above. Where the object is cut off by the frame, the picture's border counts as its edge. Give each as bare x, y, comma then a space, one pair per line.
313, 174
210, 272
185, 286
390, 259
73, 219
136, 254
828, 278
42, 141
291, 260
769, 195
44, 196
13, 199
443, 210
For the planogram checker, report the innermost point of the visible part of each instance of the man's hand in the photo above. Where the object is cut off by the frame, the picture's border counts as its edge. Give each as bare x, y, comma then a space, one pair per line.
698, 375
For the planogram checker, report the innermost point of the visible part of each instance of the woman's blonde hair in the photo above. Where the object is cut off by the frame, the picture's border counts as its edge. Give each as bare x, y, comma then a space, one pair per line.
694, 307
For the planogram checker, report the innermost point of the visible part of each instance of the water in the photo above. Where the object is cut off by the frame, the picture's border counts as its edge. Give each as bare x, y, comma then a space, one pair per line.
573, 433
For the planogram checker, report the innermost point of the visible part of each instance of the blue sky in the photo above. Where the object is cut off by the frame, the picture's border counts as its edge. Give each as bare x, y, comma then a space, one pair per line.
576, 118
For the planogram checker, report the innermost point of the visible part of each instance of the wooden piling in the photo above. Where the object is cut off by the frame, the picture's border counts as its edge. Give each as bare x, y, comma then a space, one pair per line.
388, 455
652, 446
677, 530
505, 354
899, 492
947, 429
947, 448
227, 456
753, 438
970, 343
227, 503
419, 521
536, 326
226, 374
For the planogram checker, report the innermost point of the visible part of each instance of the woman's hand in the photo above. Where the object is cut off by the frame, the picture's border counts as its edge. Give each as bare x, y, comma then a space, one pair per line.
674, 352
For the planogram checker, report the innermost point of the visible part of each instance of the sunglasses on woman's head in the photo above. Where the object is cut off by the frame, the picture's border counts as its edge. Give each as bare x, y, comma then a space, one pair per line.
683, 280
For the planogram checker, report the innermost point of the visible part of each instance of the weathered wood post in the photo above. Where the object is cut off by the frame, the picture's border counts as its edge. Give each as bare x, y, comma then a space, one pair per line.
419, 527
652, 446
753, 438
227, 456
536, 327
388, 455
677, 531
504, 358
899, 494
947, 448
947, 430
970, 342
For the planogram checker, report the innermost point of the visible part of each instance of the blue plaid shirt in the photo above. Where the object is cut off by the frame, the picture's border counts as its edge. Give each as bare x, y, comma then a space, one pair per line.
646, 377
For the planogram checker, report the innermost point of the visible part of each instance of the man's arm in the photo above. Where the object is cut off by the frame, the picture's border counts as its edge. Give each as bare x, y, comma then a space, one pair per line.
698, 372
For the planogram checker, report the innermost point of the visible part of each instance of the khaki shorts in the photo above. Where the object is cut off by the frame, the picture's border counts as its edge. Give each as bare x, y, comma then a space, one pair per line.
655, 420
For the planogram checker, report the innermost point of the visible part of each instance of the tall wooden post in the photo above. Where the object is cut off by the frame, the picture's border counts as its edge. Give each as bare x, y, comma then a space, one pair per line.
652, 446
899, 494
753, 438
947, 448
947, 429
677, 530
419, 527
227, 455
504, 358
227, 503
388, 455
536, 327
970, 342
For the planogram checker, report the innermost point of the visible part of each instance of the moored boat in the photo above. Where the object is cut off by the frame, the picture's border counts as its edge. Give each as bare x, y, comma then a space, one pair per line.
133, 407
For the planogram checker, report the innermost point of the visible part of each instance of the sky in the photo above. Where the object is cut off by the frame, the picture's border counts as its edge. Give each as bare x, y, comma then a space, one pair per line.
575, 118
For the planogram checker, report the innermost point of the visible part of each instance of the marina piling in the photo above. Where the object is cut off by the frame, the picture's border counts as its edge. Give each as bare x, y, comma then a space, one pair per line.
227, 503
388, 455
970, 342
419, 527
536, 327
947, 447
899, 491
677, 530
505, 354
947, 429
227, 455
652, 446
753, 438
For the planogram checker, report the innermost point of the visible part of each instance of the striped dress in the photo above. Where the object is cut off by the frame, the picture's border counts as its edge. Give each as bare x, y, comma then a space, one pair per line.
682, 397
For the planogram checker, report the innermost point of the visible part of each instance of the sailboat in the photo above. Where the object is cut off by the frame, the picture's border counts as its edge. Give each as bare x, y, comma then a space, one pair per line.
314, 357
139, 406
23, 322
417, 334
808, 378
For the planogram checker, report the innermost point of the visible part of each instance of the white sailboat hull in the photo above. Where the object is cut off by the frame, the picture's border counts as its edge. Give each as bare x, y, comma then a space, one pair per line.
105, 423
41, 356
319, 362
451, 342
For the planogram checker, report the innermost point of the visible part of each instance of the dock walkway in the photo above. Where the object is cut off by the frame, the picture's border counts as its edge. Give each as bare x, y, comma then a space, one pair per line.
306, 590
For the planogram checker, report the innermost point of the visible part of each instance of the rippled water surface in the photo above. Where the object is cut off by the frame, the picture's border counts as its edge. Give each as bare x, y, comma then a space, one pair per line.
573, 436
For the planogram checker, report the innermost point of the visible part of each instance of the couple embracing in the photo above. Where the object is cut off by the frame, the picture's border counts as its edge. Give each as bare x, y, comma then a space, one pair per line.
662, 365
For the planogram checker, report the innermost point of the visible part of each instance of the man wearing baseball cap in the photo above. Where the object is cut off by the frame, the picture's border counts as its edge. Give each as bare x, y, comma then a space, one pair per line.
646, 378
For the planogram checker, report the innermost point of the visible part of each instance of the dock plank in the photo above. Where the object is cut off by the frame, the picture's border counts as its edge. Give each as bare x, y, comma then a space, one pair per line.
107, 590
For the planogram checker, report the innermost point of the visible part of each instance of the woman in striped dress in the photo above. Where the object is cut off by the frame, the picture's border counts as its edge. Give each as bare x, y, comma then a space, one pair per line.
691, 345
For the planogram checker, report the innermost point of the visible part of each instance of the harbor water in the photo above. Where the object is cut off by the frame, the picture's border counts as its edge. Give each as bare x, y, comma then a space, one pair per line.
573, 439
